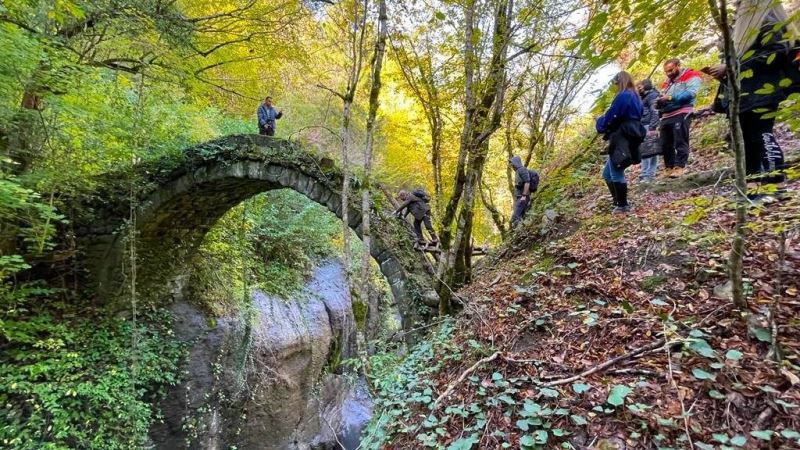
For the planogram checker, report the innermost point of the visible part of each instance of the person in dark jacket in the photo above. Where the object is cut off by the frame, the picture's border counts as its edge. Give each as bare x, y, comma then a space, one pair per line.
650, 148
417, 205
525, 182
621, 126
764, 39
267, 115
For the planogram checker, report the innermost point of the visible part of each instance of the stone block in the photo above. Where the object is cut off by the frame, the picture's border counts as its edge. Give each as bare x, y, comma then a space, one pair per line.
390, 268
274, 172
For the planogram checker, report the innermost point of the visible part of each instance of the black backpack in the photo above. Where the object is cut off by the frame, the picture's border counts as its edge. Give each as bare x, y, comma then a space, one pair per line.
534, 180
421, 194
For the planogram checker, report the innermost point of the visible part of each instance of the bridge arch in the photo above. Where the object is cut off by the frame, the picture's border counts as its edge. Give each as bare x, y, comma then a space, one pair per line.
180, 205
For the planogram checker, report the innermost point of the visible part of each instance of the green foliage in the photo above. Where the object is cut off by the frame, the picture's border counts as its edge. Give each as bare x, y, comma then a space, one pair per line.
269, 242
403, 384
73, 381
24, 215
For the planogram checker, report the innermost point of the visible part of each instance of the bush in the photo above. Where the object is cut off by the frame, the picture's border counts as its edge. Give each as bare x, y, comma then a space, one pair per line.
77, 382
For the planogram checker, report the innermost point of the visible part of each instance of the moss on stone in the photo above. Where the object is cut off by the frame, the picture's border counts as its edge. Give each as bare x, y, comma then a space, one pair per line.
360, 313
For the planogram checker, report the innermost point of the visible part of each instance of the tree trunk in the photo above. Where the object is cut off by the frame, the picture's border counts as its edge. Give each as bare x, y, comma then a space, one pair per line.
481, 120
436, 164
20, 141
445, 229
720, 13
497, 216
346, 113
357, 47
377, 62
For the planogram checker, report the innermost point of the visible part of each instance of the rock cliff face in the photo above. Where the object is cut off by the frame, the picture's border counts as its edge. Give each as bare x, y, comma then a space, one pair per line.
269, 377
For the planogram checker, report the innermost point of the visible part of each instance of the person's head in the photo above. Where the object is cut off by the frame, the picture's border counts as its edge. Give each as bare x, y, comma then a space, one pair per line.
751, 15
402, 195
515, 162
624, 82
672, 68
268, 101
644, 86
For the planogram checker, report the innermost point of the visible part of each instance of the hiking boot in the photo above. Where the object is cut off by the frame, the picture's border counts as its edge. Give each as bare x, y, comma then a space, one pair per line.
678, 172
622, 193
621, 209
613, 192
667, 173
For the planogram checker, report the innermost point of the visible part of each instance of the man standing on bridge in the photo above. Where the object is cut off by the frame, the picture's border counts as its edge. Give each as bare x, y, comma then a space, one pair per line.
267, 115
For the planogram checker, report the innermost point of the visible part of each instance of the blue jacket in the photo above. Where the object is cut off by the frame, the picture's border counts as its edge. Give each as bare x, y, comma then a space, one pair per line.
267, 116
625, 106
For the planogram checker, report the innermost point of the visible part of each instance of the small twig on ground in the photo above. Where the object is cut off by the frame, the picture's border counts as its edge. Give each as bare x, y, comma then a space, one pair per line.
606, 364
775, 351
463, 376
644, 372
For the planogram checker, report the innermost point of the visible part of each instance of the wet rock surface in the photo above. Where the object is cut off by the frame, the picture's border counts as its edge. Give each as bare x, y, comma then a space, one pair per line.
268, 378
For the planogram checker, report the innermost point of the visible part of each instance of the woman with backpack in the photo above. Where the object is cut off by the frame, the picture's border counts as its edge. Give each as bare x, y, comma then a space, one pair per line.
621, 126
766, 47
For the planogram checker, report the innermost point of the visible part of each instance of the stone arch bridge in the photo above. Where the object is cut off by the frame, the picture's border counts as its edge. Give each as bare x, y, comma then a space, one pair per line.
182, 199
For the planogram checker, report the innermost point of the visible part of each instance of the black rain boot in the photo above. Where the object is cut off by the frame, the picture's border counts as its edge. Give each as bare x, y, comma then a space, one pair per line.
622, 198
613, 193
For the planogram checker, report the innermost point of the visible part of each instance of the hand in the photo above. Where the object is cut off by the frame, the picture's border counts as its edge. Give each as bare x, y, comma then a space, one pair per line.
652, 132
717, 71
664, 98
522, 198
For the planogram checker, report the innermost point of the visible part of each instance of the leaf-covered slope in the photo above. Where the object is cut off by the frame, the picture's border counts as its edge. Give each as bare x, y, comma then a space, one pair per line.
616, 332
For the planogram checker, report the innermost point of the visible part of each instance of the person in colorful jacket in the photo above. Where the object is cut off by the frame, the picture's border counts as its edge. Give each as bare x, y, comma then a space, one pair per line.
676, 104
766, 41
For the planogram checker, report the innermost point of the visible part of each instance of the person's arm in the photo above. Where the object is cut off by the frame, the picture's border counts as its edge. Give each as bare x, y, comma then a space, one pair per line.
526, 178
398, 212
651, 106
605, 122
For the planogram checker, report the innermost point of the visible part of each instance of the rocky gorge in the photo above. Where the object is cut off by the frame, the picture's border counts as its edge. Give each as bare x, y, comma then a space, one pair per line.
270, 376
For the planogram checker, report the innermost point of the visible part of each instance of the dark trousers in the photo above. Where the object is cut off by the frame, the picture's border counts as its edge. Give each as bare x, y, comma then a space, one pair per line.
763, 154
428, 225
674, 133
266, 131
520, 208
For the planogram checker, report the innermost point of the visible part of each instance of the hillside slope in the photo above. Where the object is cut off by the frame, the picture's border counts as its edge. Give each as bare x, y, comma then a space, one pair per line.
561, 341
